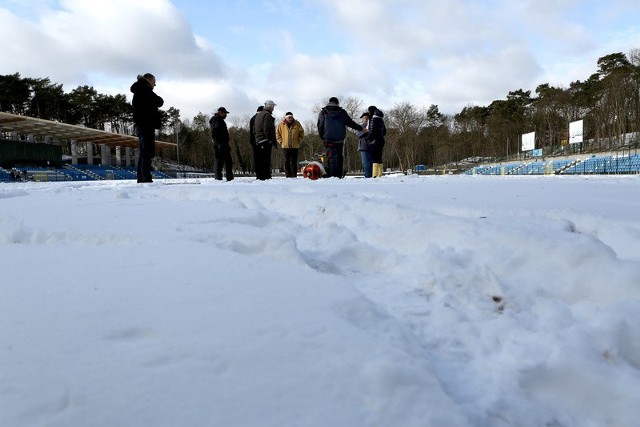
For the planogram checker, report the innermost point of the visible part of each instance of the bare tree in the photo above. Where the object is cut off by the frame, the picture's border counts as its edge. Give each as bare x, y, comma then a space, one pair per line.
404, 122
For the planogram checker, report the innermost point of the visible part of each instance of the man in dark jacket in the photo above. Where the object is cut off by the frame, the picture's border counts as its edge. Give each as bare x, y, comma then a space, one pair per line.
265, 134
146, 119
221, 147
332, 122
252, 137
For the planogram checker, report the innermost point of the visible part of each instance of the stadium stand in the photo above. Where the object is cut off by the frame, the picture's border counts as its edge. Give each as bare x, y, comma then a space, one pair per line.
604, 164
5, 175
590, 166
46, 174
36, 142
76, 173
533, 168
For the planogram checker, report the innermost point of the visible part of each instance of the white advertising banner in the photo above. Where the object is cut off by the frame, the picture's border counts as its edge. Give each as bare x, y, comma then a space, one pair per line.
528, 141
575, 132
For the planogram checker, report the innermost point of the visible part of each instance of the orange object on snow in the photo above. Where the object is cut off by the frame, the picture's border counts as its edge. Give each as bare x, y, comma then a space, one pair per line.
313, 170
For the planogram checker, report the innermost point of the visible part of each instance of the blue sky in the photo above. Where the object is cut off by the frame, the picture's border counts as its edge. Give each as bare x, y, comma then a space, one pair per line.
205, 54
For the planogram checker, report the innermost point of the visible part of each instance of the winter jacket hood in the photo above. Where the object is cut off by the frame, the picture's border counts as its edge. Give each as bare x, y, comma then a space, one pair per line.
219, 131
377, 129
332, 121
145, 104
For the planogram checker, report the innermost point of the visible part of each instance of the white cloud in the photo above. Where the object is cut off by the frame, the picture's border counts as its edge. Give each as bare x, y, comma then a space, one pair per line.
449, 53
120, 37
203, 96
455, 52
476, 79
108, 43
445, 52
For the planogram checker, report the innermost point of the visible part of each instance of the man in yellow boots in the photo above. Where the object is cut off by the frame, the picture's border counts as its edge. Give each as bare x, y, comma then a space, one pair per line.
377, 131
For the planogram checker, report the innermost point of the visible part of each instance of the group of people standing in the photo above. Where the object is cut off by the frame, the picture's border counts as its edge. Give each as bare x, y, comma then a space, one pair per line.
265, 135
332, 124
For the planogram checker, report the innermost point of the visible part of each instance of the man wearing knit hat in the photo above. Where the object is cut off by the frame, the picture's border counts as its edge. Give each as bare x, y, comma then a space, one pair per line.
289, 135
332, 122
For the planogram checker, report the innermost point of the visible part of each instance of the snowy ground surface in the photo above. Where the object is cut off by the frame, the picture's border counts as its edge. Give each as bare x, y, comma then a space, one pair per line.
401, 301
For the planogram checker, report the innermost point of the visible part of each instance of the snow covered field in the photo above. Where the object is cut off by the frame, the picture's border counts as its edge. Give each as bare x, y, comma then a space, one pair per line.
401, 301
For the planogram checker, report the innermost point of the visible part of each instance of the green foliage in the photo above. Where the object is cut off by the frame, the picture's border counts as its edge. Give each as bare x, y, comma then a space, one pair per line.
14, 94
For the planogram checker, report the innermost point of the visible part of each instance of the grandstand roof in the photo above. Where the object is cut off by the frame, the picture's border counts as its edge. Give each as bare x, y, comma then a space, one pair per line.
38, 127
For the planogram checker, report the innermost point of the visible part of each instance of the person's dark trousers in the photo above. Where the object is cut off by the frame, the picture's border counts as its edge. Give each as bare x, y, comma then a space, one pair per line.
263, 161
291, 162
147, 145
256, 158
367, 164
335, 158
376, 153
223, 161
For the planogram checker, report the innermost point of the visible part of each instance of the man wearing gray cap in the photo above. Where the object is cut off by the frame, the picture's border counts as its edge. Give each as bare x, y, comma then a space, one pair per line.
265, 132
221, 147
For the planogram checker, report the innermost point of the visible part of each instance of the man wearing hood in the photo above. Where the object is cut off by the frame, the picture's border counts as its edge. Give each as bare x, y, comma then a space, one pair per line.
146, 119
375, 138
332, 122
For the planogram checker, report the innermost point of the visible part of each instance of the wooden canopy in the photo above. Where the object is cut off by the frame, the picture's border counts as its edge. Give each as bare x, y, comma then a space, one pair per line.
38, 127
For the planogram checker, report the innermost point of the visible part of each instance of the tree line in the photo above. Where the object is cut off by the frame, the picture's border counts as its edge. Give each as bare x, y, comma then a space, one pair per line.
608, 102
